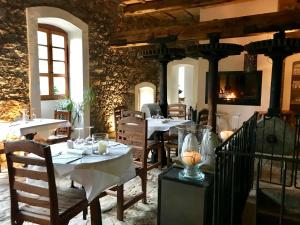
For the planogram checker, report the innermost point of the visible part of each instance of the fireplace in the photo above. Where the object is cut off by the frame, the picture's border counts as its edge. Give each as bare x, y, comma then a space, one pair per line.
238, 88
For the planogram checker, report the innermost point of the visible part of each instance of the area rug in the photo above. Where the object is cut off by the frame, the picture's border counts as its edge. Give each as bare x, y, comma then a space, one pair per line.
138, 214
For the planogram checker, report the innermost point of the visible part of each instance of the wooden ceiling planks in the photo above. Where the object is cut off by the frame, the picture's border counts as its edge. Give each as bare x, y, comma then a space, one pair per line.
227, 28
136, 7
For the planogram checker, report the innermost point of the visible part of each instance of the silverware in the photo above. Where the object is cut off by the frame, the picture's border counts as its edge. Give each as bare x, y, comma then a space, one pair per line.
58, 154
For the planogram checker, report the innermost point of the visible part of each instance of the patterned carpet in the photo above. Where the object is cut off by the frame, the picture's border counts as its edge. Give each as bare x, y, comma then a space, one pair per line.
138, 214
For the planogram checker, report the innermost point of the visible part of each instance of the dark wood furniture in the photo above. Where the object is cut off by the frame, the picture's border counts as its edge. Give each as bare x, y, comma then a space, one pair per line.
202, 117
295, 88
129, 113
177, 111
132, 130
171, 145
184, 201
117, 115
37, 204
1, 152
61, 134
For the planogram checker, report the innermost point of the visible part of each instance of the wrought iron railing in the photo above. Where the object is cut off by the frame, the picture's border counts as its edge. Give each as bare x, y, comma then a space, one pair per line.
270, 143
277, 141
234, 174
297, 154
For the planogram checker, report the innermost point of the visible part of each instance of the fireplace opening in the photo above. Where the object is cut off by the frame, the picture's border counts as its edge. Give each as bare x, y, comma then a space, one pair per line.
238, 88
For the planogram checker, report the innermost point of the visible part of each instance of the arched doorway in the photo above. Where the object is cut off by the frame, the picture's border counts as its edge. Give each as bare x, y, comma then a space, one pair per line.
183, 82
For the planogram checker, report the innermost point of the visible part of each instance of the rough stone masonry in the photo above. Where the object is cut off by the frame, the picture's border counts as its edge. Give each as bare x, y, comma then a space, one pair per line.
113, 72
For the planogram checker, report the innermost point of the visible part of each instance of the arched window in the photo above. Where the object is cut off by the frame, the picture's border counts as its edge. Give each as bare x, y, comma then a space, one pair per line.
144, 93
53, 62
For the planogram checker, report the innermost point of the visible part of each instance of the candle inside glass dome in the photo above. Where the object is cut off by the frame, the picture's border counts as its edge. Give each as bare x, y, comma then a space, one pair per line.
191, 158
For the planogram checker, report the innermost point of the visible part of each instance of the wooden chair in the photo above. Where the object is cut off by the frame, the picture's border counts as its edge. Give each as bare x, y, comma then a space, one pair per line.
117, 115
129, 113
202, 117
52, 205
1, 152
171, 145
61, 134
133, 131
177, 111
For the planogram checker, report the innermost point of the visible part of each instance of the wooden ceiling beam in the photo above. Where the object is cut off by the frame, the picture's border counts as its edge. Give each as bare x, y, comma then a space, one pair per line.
167, 5
227, 28
288, 4
170, 15
190, 14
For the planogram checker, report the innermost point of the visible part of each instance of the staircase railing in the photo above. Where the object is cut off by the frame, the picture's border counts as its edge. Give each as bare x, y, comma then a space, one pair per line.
277, 154
234, 174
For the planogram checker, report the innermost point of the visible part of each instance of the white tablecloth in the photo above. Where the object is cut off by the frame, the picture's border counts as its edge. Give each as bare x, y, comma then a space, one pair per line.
20, 128
95, 172
158, 125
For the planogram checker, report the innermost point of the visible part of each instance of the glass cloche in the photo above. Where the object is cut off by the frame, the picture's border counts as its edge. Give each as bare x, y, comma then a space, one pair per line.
191, 150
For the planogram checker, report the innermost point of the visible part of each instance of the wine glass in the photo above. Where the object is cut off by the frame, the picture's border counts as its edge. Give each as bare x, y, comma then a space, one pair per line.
79, 139
89, 138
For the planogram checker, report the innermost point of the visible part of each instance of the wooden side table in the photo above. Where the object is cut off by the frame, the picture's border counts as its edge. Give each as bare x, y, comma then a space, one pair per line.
184, 201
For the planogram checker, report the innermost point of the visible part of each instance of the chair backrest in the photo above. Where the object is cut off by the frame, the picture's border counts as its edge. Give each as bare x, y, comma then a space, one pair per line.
63, 115
117, 115
35, 197
177, 110
202, 117
133, 131
137, 114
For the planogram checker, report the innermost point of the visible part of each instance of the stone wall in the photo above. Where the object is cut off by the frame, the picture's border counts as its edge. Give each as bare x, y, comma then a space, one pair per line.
113, 72
113, 83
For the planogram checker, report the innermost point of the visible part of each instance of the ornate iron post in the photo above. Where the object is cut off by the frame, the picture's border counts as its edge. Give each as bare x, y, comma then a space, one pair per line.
164, 55
213, 52
277, 49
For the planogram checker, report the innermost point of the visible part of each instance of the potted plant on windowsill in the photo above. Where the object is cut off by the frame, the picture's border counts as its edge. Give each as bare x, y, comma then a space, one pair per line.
77, 108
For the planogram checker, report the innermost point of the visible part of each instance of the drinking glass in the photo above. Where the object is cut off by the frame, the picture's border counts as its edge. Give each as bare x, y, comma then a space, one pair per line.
100, 143
89, 137
79, 139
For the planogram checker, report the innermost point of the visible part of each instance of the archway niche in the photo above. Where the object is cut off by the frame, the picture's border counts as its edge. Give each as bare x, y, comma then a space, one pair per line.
145, 92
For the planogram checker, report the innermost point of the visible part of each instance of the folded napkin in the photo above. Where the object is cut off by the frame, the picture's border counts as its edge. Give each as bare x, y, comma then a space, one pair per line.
77, 151
165, 120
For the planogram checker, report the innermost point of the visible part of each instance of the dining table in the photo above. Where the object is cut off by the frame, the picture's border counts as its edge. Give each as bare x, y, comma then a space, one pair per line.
28, 128
95, 172
156, 129
164, 125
